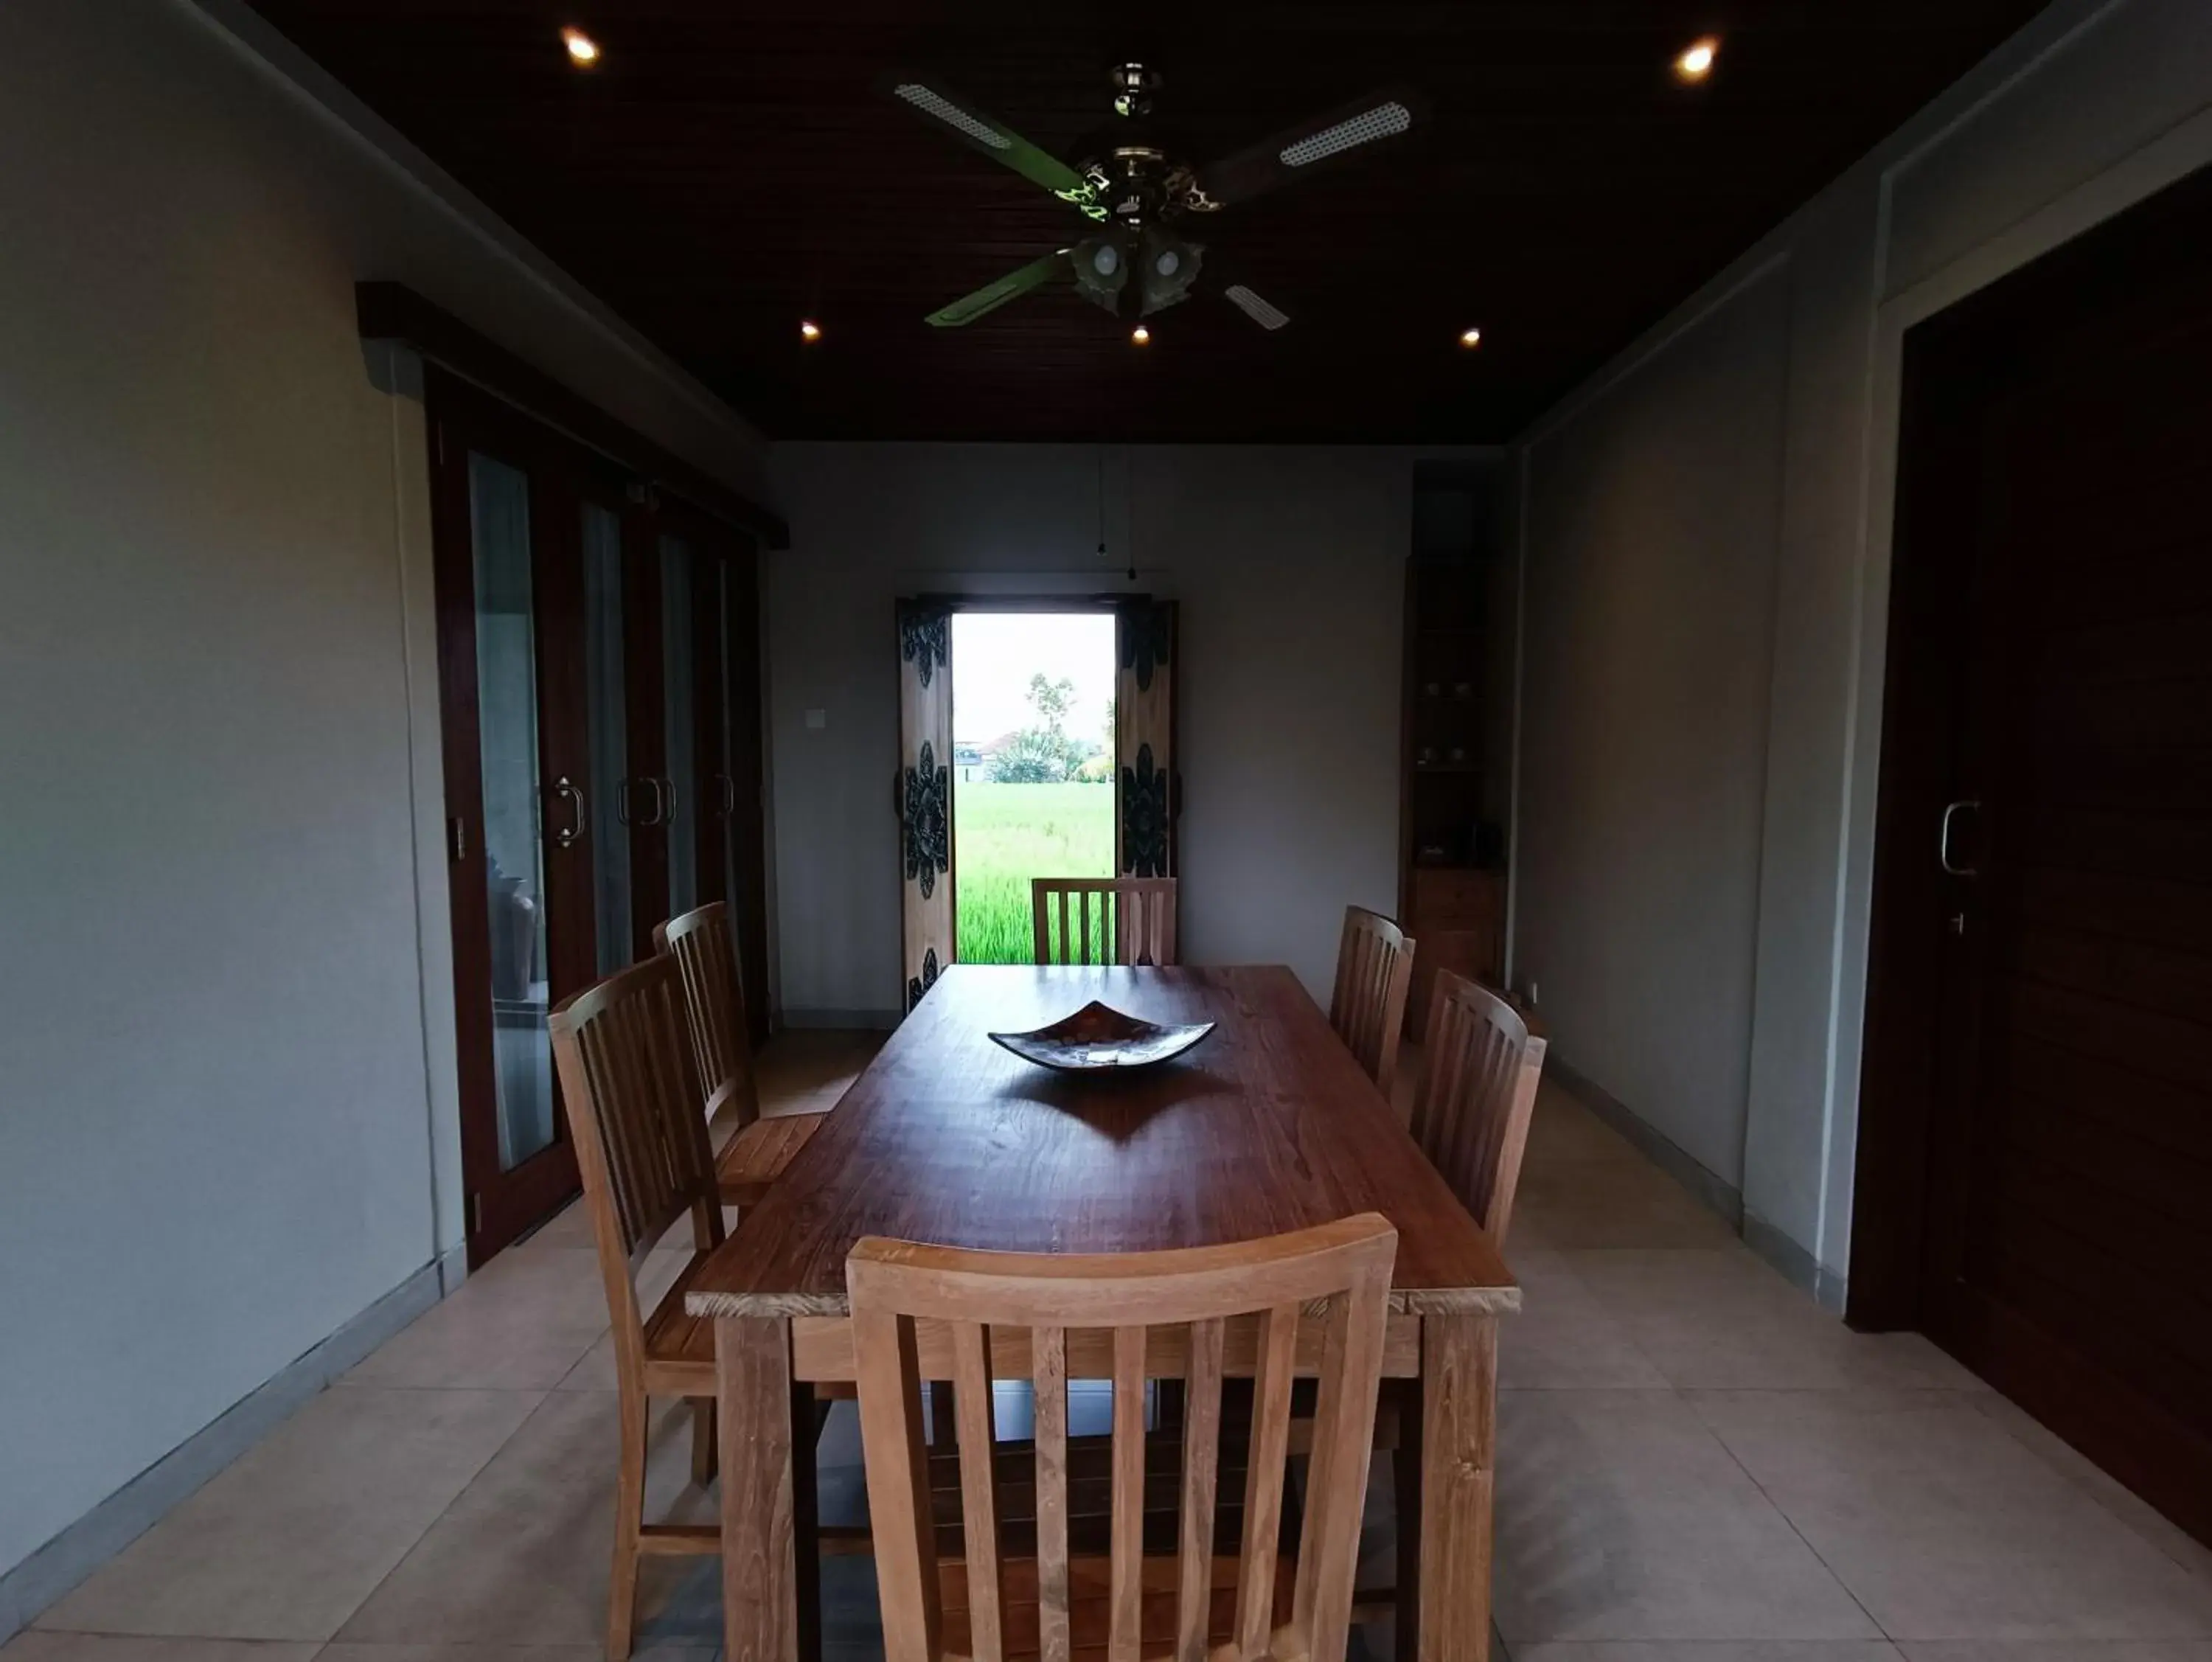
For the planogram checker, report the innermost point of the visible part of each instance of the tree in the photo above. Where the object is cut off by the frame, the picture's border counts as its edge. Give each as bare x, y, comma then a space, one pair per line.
1042, 754
1052, 700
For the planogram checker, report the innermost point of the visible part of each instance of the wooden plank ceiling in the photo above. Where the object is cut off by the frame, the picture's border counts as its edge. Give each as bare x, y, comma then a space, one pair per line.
731, 167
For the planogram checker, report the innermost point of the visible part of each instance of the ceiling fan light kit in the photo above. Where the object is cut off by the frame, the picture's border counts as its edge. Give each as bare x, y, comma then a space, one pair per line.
1137, 189
1162, 266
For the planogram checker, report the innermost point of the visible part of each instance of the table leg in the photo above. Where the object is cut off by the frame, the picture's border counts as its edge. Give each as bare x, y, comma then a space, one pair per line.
1452, 1462
771, 1571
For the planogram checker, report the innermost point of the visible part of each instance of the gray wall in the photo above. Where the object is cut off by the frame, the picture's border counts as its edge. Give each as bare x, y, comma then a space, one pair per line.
1289, 565
1644, 747
1701, 956
225, 1004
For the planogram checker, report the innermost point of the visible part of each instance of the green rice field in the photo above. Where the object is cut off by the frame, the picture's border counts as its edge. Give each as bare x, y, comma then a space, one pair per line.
1004, 835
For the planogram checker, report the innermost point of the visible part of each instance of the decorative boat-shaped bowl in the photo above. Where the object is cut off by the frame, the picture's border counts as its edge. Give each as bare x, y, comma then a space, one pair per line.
1098, 1039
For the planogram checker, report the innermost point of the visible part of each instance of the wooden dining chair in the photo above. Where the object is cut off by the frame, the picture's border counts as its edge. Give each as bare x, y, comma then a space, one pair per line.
1222, 1308
1114, 920
1471, 1116
1374, 968
632, 1099
701, 944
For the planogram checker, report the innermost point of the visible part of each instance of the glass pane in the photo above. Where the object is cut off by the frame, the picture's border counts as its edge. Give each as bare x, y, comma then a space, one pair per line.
724, 680
680, 683
507, 717
608, 735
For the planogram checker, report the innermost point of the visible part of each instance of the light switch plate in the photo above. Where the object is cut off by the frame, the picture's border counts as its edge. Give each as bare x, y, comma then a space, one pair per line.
817, 718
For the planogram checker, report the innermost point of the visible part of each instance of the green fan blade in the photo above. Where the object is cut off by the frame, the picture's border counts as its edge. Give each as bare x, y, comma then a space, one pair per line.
992, 296
955, 115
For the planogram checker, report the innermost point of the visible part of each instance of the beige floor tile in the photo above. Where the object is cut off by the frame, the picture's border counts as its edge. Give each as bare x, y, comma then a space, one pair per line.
1563, 1338
288, 1542
2137, 1514
1563, 1132
2058, 1650
1814, 1650
348, 1651
571, 1226
1610, 1204
571, 1229
521, 1556
798, 1067
1619, 1516
520, 1323
1725, 1320
1946, 1527
596, 1371
38, 1645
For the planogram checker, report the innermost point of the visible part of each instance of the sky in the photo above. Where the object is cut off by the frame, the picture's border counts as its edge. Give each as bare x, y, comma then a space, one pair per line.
995, 653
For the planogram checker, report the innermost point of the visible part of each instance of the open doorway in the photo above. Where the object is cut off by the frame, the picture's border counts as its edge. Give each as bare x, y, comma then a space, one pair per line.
1033, 766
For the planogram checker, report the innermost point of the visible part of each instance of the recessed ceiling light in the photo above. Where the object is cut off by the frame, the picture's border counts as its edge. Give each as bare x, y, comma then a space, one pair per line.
1141, 336
809, 330
582, 49
1470, 337
1696, 62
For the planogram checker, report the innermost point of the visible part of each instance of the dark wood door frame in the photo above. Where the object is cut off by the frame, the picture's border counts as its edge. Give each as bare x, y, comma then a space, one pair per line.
2120, 282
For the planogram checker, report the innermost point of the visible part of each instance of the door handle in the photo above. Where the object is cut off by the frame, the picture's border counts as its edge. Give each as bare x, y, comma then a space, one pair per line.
1943, 838
574, 832
729, 797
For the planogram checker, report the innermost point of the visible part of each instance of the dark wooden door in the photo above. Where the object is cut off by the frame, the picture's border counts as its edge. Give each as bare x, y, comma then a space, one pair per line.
512, 685
2041, 1013
695, 815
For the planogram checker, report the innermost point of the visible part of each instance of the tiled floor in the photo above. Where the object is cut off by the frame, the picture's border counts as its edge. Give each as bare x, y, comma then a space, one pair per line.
1698, 1465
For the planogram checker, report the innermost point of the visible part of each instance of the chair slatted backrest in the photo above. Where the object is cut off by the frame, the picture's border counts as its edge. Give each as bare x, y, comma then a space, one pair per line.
1235, 1301
1104, 920
1472, 1115
704, 949
632, 1098
1374, 969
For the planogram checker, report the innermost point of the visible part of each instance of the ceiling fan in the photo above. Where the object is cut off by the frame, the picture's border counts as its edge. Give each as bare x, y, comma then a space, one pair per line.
1138, 191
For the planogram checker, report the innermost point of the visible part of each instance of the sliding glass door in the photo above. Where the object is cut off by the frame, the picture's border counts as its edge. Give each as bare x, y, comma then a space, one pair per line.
606, 697
517, 764
740, 830
599, 677
695, 729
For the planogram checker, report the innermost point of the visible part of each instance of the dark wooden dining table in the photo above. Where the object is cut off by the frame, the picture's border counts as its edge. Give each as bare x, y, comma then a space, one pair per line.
1268, 1125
